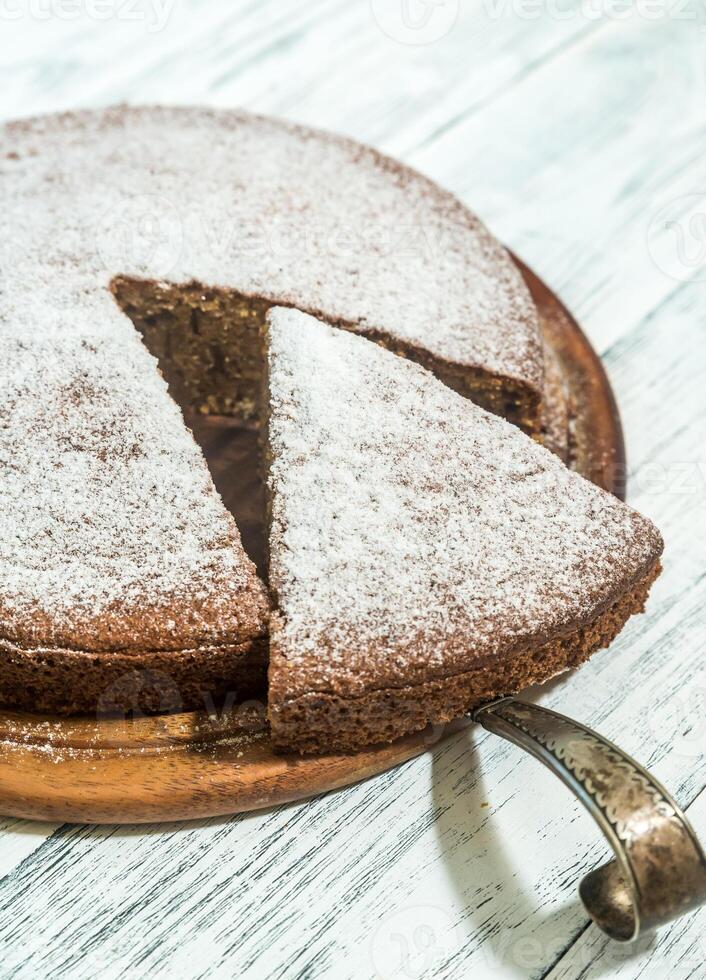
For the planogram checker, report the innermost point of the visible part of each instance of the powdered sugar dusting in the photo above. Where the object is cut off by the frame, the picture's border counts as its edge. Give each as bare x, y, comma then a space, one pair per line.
411, 529
105, 496
261, 206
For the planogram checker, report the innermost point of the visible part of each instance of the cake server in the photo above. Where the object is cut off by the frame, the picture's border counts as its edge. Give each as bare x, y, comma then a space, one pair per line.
659, 869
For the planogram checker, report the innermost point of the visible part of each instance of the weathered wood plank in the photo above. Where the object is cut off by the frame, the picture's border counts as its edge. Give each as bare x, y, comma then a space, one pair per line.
18, 839
568, 136
298, 59
678, 951
573, 166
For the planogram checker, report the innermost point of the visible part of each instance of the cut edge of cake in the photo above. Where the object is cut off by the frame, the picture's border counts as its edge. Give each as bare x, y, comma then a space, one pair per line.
322, 721
207, 340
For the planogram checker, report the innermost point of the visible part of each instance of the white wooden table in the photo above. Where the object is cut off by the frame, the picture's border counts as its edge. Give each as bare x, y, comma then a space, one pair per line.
578, 131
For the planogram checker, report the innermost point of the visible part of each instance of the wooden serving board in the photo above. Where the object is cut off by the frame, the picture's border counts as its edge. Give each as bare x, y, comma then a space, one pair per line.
196, 764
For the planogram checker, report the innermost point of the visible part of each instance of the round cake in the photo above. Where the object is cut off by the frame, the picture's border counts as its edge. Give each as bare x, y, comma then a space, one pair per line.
143, 252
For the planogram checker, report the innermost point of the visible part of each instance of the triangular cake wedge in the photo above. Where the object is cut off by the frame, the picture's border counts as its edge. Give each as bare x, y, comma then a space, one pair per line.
124, 582
425, 556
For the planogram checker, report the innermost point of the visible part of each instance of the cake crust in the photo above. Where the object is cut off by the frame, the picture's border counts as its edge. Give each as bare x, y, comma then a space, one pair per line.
71, 681
321, 721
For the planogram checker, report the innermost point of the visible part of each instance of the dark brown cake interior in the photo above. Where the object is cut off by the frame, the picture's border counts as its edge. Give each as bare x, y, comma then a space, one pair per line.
208, 343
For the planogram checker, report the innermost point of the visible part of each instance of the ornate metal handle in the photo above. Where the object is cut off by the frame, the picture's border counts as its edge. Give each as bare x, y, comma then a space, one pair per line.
659, 871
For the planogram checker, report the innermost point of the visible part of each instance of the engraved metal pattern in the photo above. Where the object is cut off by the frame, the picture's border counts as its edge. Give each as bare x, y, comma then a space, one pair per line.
659, 871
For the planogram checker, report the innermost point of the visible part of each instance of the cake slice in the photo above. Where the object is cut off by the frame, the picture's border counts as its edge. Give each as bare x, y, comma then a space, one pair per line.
425, 555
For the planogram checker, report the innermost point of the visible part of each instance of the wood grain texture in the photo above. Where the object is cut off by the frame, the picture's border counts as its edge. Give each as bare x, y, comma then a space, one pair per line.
568, 135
